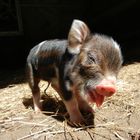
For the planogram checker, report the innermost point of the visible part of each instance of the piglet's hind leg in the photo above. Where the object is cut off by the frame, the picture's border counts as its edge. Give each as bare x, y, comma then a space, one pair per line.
36, 95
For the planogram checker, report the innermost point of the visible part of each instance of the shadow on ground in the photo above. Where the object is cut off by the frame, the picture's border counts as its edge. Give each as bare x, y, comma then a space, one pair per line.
56, 109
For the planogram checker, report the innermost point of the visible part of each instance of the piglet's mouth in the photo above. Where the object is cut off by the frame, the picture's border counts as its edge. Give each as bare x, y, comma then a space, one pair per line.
93, 96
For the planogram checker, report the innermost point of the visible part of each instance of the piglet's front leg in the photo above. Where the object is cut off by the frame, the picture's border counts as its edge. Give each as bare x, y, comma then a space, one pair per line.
74, 112
71, 104
83, 105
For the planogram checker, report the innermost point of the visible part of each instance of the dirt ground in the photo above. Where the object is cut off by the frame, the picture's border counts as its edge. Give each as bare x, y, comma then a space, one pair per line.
117, 119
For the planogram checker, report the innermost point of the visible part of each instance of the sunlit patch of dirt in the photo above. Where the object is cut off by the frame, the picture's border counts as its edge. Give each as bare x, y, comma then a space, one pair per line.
117, 119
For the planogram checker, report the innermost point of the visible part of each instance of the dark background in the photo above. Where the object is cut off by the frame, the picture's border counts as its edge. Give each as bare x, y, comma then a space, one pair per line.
24, 23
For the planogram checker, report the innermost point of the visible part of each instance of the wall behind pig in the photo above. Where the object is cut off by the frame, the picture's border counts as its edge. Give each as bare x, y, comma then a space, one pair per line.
24, 23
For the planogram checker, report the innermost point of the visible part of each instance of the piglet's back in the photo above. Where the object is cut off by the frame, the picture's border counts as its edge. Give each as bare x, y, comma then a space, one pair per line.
47, 52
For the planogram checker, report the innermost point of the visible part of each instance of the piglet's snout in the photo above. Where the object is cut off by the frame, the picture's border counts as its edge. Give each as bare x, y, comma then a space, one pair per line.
106, 87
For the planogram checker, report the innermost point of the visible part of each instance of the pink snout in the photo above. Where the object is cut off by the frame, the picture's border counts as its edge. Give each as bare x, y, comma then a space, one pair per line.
106, 87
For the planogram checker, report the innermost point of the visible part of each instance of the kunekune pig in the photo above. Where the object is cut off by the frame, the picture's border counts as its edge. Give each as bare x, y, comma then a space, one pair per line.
81, 69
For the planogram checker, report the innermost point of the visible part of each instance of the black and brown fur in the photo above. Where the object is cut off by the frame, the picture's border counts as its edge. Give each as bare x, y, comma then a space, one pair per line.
73, 66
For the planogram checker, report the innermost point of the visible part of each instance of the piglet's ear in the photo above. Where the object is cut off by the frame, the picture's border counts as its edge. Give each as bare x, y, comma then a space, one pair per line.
79, 32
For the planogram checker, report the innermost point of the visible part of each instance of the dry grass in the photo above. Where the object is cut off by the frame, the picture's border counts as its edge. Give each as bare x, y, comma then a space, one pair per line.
117, 119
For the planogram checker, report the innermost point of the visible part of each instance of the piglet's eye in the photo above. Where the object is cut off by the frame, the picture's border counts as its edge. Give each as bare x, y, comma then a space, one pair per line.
91, 59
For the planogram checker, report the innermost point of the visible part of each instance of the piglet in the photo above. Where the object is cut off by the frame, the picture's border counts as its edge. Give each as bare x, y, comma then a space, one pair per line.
81, 69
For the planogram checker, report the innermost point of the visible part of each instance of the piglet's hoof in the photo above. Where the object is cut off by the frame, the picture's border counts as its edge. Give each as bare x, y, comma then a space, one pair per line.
38, 108
78, 122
